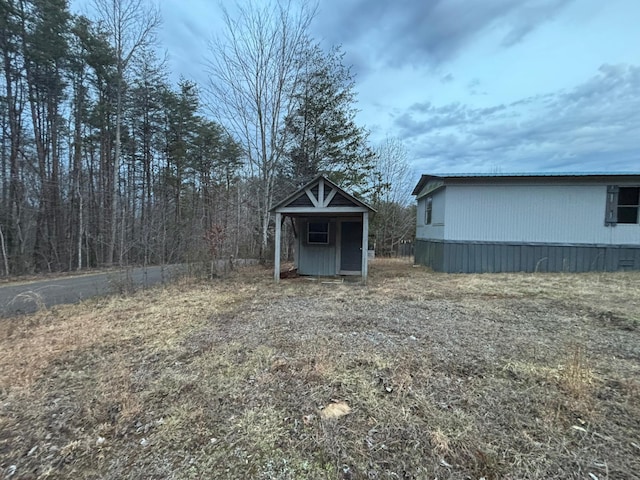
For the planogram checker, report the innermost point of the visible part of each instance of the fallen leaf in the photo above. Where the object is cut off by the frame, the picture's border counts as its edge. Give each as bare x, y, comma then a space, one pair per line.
336, 410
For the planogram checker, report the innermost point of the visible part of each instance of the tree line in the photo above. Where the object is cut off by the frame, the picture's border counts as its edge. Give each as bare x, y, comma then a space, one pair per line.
104, 161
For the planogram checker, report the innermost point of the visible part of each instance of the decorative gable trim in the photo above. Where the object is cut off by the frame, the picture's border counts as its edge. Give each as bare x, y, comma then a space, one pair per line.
312, 197
329, 197
321, 195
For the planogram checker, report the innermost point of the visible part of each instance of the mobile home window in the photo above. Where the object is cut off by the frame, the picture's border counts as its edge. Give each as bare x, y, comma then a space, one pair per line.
427, 211
318, 233
628, 204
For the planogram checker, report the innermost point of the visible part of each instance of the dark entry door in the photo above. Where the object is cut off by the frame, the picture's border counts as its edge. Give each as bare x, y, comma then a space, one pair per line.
351, 246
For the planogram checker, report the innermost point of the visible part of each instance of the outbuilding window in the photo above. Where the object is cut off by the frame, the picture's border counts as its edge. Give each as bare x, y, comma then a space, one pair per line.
318, 233
623, 205
427, 211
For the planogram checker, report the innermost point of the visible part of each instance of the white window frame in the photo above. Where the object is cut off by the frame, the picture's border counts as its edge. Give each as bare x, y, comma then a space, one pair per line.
428, 210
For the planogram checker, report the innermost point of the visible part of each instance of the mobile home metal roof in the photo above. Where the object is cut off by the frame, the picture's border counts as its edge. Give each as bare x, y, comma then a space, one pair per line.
497, 178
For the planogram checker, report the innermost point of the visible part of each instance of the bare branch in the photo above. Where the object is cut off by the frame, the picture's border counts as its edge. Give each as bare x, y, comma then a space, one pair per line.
253, 73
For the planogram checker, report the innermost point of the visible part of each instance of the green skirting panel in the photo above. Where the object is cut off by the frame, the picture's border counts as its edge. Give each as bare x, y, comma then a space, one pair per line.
477, 257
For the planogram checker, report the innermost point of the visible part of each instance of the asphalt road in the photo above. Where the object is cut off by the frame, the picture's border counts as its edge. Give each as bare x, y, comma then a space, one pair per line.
28, 297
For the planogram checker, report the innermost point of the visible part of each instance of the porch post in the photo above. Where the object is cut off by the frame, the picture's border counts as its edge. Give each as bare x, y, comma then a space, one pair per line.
365, 246
276, 258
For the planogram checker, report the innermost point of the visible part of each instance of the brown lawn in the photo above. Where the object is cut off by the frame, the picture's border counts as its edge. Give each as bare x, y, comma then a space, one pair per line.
416, 375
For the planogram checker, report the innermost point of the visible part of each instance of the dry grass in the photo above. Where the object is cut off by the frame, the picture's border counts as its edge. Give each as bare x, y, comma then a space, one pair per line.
416, 375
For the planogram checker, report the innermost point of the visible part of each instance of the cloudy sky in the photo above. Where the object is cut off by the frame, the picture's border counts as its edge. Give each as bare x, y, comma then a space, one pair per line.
474, 85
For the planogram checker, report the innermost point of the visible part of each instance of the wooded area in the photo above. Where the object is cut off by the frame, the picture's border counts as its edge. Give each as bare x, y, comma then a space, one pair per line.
104, 161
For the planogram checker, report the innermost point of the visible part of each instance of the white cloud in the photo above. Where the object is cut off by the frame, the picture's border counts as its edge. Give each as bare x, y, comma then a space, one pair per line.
592, 127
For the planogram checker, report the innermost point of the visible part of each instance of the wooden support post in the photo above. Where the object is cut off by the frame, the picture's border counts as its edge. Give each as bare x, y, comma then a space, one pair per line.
365, 246
276, 257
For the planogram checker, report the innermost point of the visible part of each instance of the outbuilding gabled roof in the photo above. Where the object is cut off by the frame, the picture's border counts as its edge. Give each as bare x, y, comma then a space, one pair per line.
459, 178
321, 195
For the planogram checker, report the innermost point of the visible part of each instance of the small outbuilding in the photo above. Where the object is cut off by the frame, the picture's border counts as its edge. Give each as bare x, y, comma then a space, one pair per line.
331, 229
557, 222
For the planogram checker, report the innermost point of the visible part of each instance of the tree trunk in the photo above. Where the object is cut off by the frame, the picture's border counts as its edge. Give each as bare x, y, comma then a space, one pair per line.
16, 241
4, 253
116, 175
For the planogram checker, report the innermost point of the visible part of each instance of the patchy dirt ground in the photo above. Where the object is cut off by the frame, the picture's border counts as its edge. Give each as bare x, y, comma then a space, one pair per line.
416, 375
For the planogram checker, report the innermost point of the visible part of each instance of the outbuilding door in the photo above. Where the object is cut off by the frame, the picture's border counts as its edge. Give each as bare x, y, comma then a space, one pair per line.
350, 246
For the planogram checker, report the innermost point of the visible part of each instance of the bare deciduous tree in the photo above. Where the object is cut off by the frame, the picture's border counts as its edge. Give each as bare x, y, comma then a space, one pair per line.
395, 172
131, 25
394, 221
254, 69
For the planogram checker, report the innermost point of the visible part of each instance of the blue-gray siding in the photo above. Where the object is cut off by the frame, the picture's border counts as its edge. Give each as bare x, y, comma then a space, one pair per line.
484, 257
316, 259
302, 200
340, 200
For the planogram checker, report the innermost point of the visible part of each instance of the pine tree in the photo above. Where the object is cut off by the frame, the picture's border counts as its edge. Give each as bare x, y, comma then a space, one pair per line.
322, 133
45, 25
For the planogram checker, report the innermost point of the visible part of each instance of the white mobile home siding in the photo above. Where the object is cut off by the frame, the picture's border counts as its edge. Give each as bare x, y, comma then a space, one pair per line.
436, 229
563, 214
